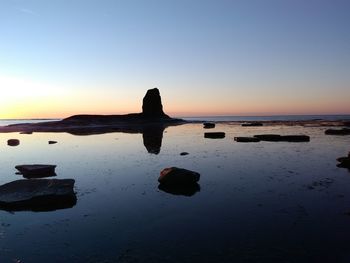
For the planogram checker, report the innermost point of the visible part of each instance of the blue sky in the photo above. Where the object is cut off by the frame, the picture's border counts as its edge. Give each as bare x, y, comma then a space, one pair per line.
206, 57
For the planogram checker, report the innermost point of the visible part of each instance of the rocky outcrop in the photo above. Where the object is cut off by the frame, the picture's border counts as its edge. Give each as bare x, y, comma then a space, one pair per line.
152, 105
36, 170
37, 195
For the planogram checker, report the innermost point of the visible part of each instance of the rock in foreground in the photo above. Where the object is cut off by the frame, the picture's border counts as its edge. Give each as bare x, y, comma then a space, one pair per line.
214, 135
178, 176
344, 162
37, 195
36, 170
185, 190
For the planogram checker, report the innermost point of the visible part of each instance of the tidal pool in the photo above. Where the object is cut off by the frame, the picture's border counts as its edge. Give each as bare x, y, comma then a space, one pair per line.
256, 202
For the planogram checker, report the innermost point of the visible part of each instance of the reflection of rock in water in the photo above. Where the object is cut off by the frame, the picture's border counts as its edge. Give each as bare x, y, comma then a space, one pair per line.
37, 195
152, 138
186, 190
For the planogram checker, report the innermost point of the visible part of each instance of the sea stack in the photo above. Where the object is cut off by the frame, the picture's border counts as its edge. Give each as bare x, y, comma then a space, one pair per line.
152, 105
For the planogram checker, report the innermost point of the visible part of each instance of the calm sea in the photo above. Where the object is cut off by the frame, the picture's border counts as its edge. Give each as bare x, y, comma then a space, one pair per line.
4, 122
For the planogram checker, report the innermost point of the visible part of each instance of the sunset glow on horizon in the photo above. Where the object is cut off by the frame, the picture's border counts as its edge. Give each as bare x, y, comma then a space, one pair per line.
206, 57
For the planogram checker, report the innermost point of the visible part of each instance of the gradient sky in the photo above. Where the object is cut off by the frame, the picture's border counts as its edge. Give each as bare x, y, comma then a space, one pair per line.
263, 57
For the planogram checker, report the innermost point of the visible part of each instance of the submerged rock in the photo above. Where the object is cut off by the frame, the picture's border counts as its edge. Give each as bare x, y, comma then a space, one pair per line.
208, 125
246, 139
344, 131
37, 195
252, 124
185, 190
13, 142
344, 162
36, 170
214, 135
178, 176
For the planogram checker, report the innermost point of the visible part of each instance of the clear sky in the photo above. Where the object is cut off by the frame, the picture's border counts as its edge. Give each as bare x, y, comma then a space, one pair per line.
263, 57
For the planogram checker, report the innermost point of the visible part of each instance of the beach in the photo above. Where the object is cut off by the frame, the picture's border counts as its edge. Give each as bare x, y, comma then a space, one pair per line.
256, 202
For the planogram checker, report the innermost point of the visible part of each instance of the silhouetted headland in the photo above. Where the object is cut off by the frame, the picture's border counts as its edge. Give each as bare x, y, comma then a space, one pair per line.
151, 117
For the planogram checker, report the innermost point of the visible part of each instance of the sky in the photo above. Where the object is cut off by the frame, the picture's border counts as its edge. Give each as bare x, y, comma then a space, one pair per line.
64, 57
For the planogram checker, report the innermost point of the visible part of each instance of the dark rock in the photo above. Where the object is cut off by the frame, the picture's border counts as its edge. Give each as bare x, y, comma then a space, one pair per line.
13, 142
36, 170
178, 176
344, 162
185, 190
52, 142
208, 125
152, 105
26, 132
37, 195
269, 137
184, 153
246, 139
284, 138
214, 135
252, 124
346, 123
344, 131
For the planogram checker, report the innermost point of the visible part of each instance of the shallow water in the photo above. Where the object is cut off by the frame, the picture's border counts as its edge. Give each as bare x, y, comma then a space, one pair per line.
258, 202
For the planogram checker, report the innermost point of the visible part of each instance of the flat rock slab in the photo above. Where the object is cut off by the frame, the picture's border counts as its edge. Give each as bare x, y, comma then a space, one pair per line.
214, 135
178, 176
208, 125
37, 195
344, 131
283, 138
36, 170
13, 142
246, 139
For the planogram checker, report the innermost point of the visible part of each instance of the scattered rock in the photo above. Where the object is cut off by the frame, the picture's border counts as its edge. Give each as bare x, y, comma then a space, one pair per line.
37, 195
214, 135
178, 176
344, 131
184, 153
284, 138
13, 142
246, 139
252, 124
344, 162
52, 142
208, 125
26, 132
185, 190
36, 170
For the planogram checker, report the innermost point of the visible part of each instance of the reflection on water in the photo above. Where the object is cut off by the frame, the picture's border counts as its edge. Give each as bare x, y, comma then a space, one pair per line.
186, 190
255, 202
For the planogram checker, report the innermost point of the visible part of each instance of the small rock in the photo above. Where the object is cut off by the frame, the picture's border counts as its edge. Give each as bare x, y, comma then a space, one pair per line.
283, 138
36, 170
184, 153
208, 125
37, 195
178, 176
214, 135
344, 131
344, 162
13, 142
246, 139
26, 132
268, 137
252, 124
52, 142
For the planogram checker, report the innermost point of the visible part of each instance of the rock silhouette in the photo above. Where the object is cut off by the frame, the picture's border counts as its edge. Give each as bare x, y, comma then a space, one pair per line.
152, 105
